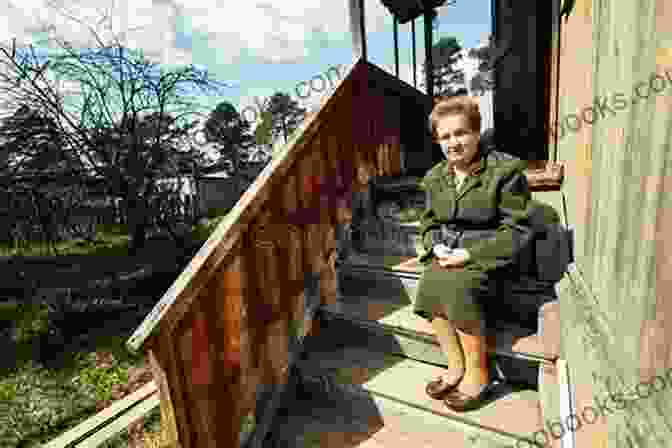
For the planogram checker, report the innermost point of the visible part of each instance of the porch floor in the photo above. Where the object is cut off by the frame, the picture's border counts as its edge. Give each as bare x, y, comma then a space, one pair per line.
356, 397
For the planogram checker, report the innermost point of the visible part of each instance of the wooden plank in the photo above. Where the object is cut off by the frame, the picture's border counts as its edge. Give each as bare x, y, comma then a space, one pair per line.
551, 331
549, 178
614, 318
290, 195
120, 424
227, 234
268, 275
507, 340
193, 345
166, 350
589, 337
656, 338
80, 432
168, 421
295, 249
224, 308
329, 280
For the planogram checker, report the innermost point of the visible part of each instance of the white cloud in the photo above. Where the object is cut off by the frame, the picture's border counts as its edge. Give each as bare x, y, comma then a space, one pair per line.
276, 30
273, 30
140, 24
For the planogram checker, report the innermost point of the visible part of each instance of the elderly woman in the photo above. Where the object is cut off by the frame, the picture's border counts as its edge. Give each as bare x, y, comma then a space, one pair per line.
474, 228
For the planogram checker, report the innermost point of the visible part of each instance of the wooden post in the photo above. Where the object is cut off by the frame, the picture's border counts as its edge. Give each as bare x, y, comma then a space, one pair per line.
429, 66
169, 434
415, 81
357, 28
395, 28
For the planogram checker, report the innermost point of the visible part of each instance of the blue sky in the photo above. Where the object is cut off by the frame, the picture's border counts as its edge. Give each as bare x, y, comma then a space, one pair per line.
260, 47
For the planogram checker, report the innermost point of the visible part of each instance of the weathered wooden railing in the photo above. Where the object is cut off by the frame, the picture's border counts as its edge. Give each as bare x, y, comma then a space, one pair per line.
224, 335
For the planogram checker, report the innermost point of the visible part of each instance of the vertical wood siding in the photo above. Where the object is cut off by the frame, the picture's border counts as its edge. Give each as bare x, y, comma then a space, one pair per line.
615, 303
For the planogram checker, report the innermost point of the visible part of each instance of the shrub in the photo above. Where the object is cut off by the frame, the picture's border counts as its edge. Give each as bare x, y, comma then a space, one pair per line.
30, 320
101, 379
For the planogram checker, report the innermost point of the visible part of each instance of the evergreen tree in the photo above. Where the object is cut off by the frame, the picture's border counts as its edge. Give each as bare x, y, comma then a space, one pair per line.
447, 77
286, 115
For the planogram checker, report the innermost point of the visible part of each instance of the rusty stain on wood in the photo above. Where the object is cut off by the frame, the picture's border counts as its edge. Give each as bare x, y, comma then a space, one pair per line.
168, 419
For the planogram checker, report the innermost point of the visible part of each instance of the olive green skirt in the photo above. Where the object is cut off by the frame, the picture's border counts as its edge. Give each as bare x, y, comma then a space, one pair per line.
458, 294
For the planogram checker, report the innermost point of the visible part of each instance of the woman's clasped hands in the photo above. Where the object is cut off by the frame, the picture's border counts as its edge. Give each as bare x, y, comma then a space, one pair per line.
450, 258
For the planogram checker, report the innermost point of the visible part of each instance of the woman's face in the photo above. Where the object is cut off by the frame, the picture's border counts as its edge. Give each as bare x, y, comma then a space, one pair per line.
458, 142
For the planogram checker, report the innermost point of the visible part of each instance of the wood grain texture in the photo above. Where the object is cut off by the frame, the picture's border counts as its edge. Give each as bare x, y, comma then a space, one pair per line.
545, 179
550, 337
329, 280
167, 354
290, 195
295, 248
655, 337
195, 357
616, 327
168, 419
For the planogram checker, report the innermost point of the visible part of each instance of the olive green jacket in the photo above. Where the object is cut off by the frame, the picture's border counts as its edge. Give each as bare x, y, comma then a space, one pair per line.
489, 216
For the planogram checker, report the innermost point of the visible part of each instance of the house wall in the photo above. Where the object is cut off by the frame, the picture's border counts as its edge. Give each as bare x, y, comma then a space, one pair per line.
217, 193
615, 301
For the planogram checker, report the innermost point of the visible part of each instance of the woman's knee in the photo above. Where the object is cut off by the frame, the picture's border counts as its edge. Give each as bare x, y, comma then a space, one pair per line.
470, 326
475, 327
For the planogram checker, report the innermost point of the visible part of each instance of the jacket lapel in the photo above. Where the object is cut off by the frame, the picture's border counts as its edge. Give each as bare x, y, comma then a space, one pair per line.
447, 179
472, 181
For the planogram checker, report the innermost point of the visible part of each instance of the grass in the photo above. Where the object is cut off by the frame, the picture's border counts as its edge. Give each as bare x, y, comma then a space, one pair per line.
38, 402
109, 241
42, 402
34, 410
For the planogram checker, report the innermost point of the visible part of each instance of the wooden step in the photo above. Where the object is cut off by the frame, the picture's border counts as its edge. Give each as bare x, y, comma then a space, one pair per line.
386, 380
349, 416
388, 303
344, 329
379, 301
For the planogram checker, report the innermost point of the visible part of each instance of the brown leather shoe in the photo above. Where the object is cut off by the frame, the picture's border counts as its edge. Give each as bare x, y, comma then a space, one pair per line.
438, 389
460, 402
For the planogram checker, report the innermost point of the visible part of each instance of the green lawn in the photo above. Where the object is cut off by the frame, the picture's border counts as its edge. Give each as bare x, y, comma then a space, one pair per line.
38, 402
106, 243
41, 401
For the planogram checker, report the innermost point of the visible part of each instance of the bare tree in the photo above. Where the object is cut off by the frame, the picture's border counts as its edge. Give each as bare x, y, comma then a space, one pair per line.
128, 124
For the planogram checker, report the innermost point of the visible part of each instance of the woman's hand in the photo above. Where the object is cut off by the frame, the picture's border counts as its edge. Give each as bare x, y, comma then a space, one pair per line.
456, 259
